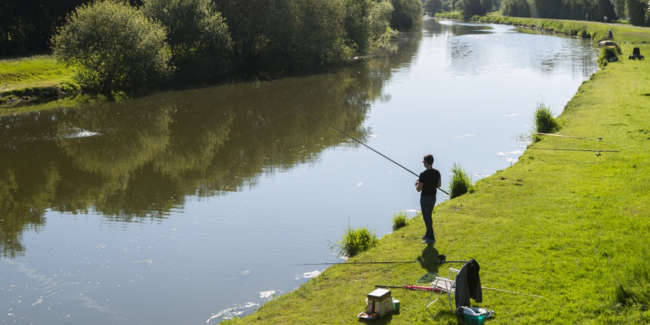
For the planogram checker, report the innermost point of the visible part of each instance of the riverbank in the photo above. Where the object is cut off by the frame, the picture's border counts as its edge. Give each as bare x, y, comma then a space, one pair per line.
569, 226
36, 83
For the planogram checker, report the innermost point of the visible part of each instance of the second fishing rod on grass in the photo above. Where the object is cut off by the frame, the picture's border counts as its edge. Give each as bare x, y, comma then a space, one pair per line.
367, 146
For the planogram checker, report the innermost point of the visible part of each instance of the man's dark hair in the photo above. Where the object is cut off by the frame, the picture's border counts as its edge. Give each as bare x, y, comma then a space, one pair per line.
428, 159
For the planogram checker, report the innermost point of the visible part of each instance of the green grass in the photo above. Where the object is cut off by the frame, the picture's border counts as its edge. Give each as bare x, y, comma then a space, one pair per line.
572, 227
30, 72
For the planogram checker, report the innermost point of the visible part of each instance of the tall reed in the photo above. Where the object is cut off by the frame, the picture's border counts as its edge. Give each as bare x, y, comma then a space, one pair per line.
544, 120
355, 241
461, 183
400, 220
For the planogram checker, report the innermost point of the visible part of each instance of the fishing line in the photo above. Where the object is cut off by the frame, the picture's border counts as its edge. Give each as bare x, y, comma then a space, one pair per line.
566, 136
365, 145
384, 262
588, 150
425, 288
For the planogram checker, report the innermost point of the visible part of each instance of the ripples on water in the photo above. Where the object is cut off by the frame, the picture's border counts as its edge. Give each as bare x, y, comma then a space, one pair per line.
189, 206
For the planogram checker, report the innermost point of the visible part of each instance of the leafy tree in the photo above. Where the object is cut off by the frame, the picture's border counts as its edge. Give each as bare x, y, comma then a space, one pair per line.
636, 10
432, 6
367, 22
407, 14
117, 49
619, 8
469, 8
487, 5
515, 8
197, 34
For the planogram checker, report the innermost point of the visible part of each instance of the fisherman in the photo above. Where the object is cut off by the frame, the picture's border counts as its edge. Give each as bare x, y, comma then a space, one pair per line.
427, 184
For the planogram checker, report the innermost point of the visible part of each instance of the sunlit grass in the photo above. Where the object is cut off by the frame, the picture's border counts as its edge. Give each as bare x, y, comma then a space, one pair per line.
569, 226
35, 71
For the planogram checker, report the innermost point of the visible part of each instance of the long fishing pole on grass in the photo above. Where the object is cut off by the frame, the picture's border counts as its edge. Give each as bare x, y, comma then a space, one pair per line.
365, 145
381, 262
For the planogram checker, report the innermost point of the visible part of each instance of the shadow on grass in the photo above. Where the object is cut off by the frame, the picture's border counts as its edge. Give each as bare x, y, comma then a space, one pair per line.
384, 320
429, 259
448, 316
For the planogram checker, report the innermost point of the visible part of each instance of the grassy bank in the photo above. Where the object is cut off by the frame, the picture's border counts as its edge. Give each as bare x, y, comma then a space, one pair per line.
33, 80
571, 226
30, 72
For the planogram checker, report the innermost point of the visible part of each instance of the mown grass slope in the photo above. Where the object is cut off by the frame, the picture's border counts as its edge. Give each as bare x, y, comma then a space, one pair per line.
36, 71
570, 226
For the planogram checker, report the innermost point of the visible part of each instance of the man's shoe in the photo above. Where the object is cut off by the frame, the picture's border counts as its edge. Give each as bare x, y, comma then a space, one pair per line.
429, 241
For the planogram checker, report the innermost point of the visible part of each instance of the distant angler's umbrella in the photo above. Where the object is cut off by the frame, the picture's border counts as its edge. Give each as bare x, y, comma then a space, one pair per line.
606, 44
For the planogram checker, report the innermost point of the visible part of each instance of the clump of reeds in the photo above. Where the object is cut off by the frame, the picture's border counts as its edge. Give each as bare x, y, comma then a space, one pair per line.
355, 241
461, 183
544, 121
400, 220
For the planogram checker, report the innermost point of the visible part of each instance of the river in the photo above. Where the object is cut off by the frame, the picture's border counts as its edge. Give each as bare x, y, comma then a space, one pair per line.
189, 207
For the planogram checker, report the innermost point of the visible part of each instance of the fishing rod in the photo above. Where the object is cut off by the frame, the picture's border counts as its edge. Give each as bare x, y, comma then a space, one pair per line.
566, 136
589, 150
410, 287
365, 145
385, 262
426, 288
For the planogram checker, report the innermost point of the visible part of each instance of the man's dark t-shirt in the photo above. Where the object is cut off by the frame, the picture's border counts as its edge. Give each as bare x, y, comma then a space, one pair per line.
429, 178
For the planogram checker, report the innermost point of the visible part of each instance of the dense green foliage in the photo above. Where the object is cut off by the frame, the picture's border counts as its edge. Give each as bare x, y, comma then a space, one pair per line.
197, 34
432, 6
366, 23
460, 182
117, 50
515, 8
400, 220
544, 120
355, 241
27, 26
407, 14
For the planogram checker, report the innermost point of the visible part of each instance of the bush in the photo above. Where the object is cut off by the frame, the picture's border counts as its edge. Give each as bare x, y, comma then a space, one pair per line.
69, 87
400, 220
544, 120
407, 14
117, 49
432, 7
460, 182
469, 8
367, 22
197, 34
515, 8
355, 241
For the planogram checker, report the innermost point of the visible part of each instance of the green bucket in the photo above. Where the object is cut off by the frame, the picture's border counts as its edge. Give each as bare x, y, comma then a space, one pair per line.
474, 319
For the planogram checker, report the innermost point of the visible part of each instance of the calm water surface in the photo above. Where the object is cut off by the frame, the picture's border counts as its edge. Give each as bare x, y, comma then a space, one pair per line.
188, 207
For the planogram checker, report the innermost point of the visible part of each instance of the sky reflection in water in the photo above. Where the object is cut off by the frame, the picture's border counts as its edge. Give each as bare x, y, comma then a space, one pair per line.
189, 206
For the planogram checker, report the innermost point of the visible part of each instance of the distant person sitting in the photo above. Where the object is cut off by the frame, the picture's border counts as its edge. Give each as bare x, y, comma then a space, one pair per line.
609, 34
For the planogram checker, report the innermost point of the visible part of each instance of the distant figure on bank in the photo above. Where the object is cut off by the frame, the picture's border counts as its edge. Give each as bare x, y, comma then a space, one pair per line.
587, 17
605, 18
427, 185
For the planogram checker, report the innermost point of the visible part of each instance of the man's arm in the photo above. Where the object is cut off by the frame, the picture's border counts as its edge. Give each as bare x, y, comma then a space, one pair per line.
418, 186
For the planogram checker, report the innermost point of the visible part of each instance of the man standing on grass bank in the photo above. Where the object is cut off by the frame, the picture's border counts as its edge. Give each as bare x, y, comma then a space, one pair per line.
427, 184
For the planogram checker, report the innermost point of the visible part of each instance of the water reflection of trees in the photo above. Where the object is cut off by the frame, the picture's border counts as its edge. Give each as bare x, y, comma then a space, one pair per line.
138, 160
